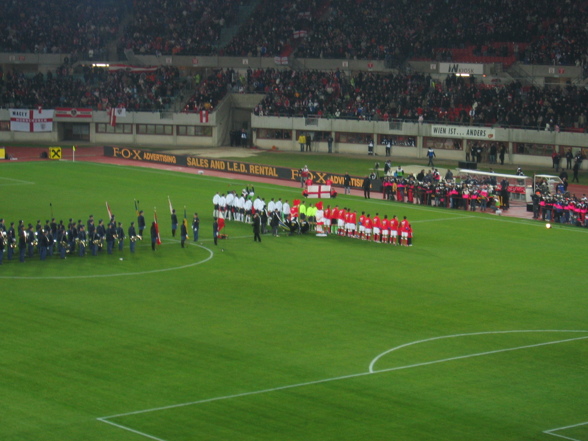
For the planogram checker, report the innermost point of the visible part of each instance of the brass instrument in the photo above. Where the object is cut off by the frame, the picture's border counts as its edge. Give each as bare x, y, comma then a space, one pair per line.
98, 242
136, 238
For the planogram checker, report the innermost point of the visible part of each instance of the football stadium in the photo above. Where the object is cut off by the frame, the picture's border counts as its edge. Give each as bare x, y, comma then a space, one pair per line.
423, 283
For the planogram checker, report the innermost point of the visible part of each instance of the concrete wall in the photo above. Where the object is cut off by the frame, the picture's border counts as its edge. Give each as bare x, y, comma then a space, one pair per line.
222, 119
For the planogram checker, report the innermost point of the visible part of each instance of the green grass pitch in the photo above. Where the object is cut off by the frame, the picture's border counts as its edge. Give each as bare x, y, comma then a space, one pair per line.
478, 332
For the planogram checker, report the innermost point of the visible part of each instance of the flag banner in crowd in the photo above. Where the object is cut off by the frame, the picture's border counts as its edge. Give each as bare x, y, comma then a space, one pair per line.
204, 116
299, 34
158, 240
171, 207
116, 112
24, 120
72, 112
318, 192
132, 69
281, 60
109, 211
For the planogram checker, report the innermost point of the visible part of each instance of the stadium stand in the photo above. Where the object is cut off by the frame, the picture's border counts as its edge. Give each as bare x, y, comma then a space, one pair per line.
79, 28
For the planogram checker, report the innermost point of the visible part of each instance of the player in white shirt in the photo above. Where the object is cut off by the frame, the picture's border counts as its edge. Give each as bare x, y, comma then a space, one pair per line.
279, 207
286, 210
215, 204
271, 206
257, 205
222, 205
230, 205
241, 208
247, 207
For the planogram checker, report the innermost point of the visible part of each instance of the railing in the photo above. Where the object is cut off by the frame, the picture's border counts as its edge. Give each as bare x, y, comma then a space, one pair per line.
396, 123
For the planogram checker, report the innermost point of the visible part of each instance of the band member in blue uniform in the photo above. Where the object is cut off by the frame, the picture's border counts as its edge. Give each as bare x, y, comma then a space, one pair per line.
132, 237
174, 223
82, 241
120, 236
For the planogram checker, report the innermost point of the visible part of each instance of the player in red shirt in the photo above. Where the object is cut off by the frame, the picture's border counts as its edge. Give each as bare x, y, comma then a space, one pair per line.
385, 227
334, 214
346, 219
327, 216
409, 235
394, 230
352, 224
376, 226
368, 227
362, 225
341, 221
404, 228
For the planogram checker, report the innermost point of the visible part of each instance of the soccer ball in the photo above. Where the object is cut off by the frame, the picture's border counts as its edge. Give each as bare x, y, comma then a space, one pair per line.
120, 258
547, 226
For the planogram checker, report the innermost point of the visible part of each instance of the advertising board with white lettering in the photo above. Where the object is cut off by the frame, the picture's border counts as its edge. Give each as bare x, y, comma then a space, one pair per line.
484, 133
461, 68
229, 166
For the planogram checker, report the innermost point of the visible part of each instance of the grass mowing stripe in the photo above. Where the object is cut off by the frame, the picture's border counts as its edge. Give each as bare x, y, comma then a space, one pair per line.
361, 374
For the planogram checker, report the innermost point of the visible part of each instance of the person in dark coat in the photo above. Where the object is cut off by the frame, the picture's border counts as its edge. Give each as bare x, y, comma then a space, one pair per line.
153, 236
256, 227
367, 184
215, 230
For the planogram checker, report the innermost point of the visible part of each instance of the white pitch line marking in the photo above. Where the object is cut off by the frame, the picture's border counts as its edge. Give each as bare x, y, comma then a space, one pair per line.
551, 431
375, 360
129, 429
14, 182
139, 273
362, 374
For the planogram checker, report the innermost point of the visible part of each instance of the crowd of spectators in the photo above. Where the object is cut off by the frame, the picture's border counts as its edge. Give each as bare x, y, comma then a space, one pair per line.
274, 28
95, 88
420, 28
208, 91
180, 28
417, 97
335, 94
80, 28
396, 30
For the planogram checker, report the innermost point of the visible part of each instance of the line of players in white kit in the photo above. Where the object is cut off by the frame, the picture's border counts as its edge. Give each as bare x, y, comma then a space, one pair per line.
340, 221
240, 208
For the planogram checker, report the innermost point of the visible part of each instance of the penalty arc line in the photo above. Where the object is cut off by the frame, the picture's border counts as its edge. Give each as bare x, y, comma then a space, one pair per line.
327, 380
471, 334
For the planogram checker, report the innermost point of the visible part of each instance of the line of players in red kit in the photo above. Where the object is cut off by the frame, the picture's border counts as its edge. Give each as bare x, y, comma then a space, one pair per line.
344, 222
